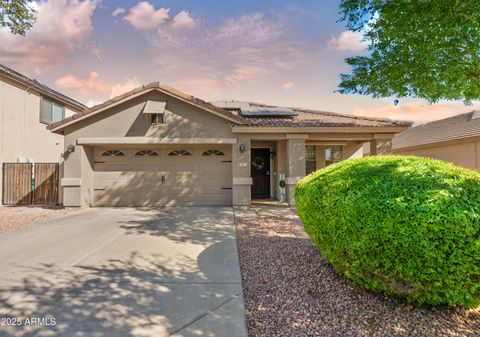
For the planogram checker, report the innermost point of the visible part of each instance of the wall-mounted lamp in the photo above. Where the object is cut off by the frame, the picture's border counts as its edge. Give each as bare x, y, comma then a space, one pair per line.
70, 148
273, 154
242, 147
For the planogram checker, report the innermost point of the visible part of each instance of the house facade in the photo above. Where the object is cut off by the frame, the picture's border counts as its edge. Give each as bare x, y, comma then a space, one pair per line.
455, 139
156, 146
26, 108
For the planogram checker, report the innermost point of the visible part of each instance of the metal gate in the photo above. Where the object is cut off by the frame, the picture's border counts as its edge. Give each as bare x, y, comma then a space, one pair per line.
30, 184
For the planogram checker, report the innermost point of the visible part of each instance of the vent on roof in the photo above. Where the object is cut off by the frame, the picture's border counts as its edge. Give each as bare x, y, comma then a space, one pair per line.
154, 107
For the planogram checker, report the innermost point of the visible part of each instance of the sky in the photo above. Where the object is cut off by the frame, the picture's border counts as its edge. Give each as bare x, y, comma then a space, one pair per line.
280, 52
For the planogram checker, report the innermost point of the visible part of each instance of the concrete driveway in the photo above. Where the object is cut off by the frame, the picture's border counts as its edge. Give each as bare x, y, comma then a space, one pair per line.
123, 272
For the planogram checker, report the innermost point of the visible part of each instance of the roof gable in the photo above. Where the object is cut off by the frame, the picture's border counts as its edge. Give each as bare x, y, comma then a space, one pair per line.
155, 86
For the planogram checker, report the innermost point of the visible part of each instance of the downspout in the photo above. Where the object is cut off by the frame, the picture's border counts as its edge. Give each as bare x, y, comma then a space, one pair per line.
25, 120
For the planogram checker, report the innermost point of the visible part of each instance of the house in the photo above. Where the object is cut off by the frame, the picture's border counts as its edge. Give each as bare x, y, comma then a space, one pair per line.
26, 108
455, 139
157, 146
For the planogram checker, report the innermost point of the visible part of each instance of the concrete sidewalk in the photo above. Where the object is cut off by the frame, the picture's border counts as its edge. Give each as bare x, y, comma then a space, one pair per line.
124, 272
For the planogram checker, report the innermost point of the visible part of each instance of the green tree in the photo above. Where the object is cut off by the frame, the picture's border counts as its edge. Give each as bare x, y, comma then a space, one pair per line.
17, 15
427, 49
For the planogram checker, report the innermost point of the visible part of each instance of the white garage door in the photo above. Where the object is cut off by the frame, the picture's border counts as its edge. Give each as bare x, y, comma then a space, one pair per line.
180, 176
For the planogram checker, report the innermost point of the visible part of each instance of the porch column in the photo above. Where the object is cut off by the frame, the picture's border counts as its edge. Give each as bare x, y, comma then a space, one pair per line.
242, 180
295, 163
77, 181
373, 147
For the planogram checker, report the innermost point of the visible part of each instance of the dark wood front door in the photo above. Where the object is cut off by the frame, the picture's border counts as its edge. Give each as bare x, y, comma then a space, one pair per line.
260, 173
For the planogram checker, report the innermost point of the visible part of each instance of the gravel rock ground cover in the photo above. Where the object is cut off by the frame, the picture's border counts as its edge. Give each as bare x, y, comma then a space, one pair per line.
16, 217
291, 290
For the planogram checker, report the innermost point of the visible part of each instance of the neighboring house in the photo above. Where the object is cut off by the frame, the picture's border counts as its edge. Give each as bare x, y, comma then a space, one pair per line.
26, 108
455, 139
156, 146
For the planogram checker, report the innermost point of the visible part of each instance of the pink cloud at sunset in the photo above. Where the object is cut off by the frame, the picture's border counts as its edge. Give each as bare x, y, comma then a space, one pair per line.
85, 86
61, 28
92, 85
347, 41
416, 112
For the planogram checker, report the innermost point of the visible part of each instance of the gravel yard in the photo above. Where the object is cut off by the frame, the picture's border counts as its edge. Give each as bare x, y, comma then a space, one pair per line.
290, 290
16, 217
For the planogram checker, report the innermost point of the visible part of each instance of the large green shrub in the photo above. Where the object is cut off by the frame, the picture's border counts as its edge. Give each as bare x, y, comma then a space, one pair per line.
407, 226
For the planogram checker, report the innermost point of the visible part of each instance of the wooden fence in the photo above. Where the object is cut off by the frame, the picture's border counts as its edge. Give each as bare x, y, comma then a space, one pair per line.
27, 184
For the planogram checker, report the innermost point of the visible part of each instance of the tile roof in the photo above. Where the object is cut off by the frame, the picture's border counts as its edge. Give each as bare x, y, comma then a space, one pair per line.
47, 91
462, 126
154, 85
311, 118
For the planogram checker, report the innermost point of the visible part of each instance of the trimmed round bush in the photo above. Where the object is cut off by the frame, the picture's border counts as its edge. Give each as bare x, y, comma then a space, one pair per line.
407, 226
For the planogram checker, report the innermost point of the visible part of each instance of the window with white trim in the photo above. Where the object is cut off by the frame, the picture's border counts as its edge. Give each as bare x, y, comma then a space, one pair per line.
50, 111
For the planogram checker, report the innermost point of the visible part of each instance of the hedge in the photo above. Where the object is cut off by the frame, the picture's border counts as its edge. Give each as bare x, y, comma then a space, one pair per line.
406, 226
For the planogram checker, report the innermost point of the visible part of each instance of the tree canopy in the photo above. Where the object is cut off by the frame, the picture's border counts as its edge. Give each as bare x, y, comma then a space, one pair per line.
426, 49
17, 15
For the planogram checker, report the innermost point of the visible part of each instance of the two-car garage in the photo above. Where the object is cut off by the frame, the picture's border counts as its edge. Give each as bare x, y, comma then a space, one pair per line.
191, 175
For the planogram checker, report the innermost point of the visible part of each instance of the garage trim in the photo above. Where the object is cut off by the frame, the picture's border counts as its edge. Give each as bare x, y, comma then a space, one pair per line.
150, 141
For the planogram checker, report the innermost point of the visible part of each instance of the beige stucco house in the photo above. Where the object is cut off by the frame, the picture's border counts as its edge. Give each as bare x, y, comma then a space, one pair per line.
455, 139
156, 146
26, 108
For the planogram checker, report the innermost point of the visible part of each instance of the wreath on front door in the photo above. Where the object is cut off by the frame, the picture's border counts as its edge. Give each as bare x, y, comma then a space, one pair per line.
258, 163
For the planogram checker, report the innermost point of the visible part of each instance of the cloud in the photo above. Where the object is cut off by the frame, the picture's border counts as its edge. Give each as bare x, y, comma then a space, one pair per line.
62, 27
183, 20
118, 11
91, 85
347, 41
228, 52
287, 86
144, 17
416, 112
129, 84
97, 50
84, 86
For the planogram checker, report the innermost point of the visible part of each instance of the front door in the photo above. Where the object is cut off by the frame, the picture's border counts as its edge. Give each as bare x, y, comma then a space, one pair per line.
260, 173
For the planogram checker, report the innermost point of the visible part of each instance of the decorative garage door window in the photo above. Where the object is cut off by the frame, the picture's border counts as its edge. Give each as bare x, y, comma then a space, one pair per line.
213, 153
146, 153
113, 153
180, 153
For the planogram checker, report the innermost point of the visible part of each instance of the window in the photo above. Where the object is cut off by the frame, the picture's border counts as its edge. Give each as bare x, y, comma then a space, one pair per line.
146, 153
333, 154
157, 119
213, 153
113, 153
180, 153
51, 112
310, 159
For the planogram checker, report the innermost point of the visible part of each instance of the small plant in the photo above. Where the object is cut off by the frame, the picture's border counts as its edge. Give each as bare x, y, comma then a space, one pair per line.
407, 226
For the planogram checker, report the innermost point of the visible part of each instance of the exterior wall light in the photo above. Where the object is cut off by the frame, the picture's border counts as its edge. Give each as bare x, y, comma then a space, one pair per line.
70, 148
242, 147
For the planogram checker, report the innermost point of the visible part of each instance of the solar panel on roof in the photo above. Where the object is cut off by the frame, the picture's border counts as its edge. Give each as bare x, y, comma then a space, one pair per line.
268, 112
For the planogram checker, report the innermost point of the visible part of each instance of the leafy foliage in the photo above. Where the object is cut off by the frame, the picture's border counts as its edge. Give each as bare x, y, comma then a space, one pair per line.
422, 48
407, 226
17, 15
